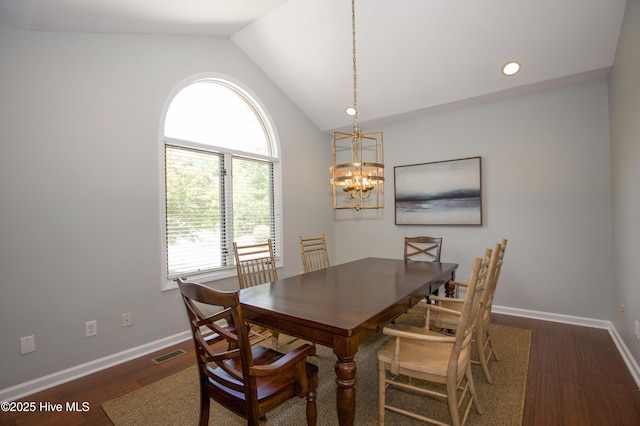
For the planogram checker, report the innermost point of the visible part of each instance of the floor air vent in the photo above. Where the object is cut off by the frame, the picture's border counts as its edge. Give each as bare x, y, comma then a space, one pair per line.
167, 357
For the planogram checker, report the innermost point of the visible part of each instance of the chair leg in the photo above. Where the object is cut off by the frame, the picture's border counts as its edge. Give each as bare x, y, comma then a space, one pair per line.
480, 340
452, 399
274, 338
205, 403
382, 386
472, 390
254, 417
491, 350
312, 409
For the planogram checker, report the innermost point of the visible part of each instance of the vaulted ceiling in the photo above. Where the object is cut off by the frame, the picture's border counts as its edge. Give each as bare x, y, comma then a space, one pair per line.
413, 56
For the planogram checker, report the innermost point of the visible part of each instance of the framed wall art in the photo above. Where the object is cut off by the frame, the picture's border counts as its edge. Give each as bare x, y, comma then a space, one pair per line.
439, 193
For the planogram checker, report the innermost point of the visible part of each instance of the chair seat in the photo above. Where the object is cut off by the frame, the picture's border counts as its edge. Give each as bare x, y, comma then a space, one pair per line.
270, 392
422, 360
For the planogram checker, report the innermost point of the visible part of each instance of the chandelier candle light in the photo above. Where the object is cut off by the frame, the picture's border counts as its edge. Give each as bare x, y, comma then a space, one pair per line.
357, 158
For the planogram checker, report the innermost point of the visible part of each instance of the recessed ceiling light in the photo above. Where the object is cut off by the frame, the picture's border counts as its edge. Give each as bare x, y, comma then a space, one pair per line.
511, 68
350, 111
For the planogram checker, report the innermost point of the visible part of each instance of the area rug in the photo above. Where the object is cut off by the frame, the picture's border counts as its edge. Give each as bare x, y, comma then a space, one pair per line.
174, 400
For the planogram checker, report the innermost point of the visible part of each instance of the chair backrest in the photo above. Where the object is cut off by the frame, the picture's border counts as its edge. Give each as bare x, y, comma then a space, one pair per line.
470, 308
226, 325
314, 253
422, 248
494, 273
256, 264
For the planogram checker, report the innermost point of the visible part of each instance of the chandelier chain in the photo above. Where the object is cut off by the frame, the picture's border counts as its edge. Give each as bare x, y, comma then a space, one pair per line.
355, 75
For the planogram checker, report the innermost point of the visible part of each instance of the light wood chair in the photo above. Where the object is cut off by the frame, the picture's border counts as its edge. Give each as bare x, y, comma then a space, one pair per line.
446, 321
248, 380
484, 344
435, 358
423, 249
314, 254
426, 249
256, 264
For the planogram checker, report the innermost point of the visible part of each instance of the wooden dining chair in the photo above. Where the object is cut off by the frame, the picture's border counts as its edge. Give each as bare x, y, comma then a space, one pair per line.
423, 249
434, 358
443, 320
313, 251
256, 264
484, 344
426, 249
248, 380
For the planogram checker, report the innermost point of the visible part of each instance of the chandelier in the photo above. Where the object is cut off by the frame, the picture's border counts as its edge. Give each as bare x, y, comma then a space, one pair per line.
357, 169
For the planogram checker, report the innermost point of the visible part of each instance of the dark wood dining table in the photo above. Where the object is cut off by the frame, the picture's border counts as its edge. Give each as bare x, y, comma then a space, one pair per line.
341, 306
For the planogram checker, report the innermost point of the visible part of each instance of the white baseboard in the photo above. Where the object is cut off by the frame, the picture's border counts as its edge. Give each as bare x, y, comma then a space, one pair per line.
626, 355
546, 316
33, 386
631, 363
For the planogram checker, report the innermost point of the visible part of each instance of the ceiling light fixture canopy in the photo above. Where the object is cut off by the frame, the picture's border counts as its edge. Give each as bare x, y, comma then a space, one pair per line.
357, 163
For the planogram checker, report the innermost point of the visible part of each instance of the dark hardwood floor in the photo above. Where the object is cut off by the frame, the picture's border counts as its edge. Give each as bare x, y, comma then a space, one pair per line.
576, 377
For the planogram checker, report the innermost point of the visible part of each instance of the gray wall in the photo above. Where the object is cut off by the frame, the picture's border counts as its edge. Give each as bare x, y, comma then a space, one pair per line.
546, 188
624, 98
80, 188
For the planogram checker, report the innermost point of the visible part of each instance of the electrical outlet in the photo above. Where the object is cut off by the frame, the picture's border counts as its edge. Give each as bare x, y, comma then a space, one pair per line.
637, 329
27, 344
91, 328
126, 320
622, 309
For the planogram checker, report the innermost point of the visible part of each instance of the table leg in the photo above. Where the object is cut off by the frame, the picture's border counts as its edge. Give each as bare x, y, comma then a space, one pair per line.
449, 290
346, 392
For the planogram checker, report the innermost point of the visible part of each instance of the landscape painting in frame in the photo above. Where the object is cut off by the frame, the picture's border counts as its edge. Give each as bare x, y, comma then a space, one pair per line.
439, 193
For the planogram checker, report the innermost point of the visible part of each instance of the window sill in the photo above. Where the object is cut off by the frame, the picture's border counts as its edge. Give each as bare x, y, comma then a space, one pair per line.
171, 284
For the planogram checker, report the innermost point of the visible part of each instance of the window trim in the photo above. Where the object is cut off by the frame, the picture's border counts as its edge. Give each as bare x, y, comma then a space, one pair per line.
254, 102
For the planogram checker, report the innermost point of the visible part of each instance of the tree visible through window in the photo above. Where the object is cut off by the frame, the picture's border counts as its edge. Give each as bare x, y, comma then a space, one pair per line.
221, 175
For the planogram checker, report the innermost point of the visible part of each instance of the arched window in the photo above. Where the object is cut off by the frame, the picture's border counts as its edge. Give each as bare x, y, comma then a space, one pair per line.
222, 177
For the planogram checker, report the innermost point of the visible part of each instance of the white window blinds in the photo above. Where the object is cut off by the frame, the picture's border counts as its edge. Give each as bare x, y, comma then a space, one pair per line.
194, 205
